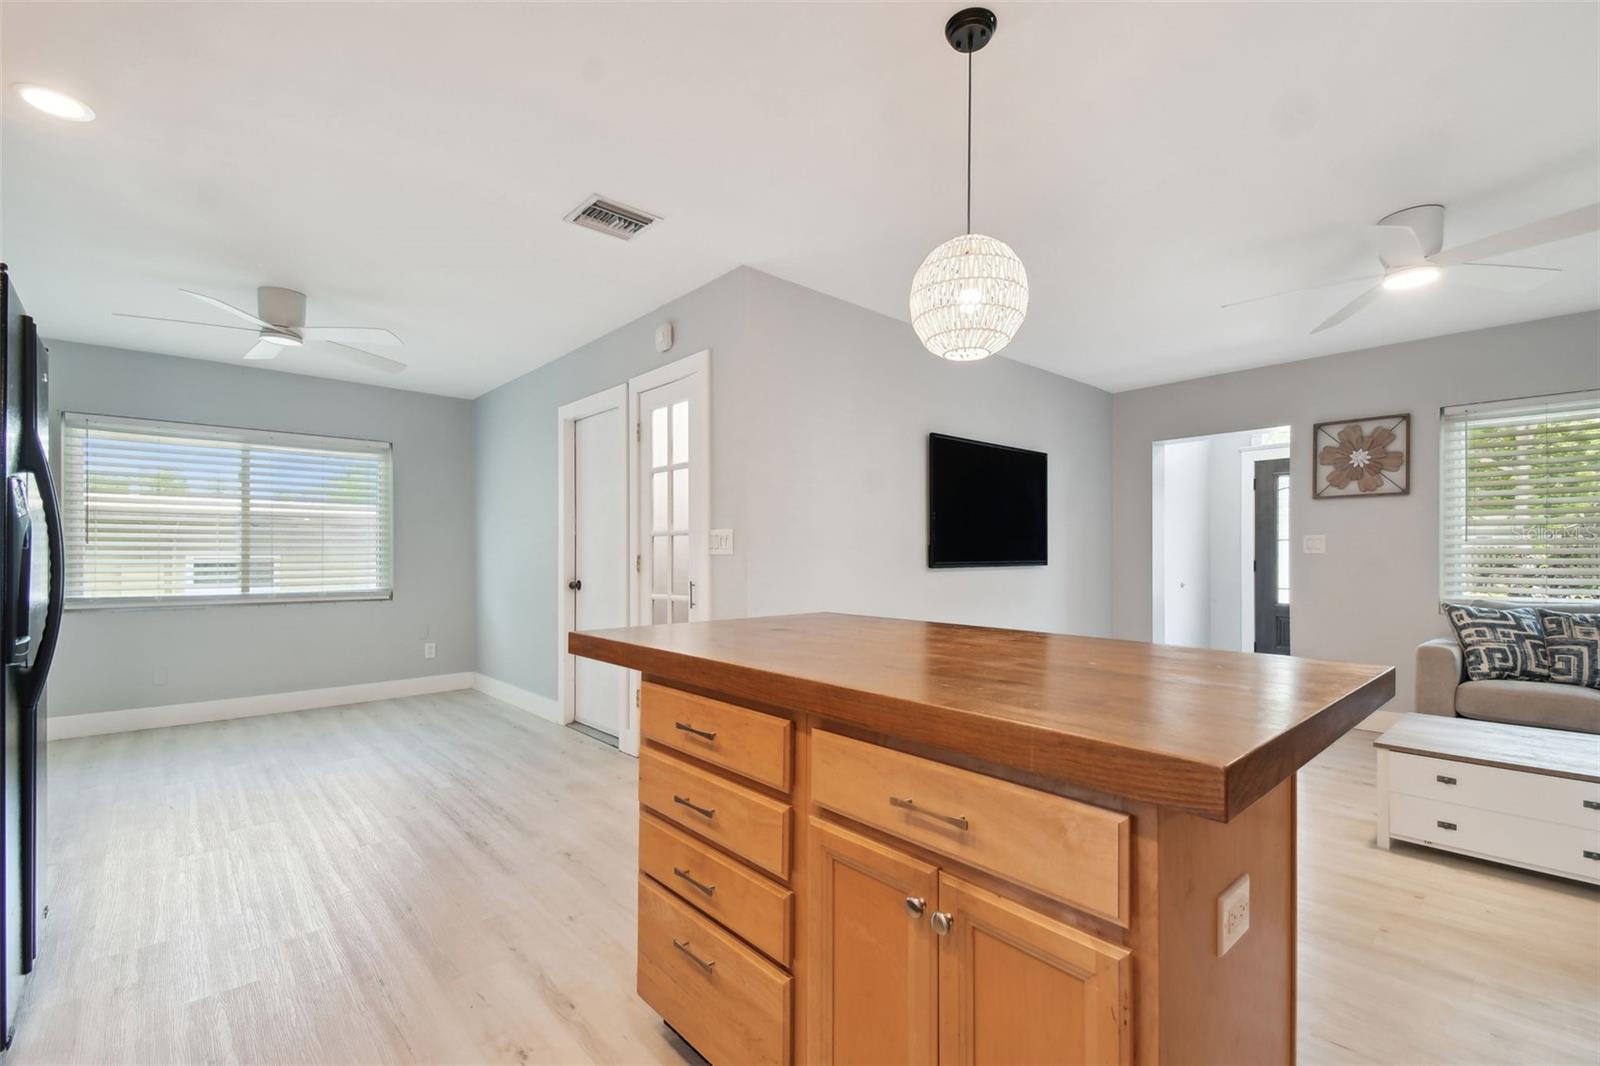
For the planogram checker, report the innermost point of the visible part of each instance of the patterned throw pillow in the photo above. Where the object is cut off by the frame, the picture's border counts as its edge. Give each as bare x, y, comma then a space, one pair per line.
1500, 643
1573, 641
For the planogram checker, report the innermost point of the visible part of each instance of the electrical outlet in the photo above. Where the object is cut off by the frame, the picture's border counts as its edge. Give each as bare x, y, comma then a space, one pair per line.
1314, 544
429, 649
1233, 914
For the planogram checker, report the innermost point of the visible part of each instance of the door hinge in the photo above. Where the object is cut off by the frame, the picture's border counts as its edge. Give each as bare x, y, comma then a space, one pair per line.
636, 697
638, 564
1252, 566
638, 431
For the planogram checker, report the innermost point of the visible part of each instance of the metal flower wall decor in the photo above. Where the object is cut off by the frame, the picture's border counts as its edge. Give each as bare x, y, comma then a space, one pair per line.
1363, 457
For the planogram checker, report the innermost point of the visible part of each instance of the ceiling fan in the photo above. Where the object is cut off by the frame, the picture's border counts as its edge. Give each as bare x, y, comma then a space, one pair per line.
280, 322
1408, 244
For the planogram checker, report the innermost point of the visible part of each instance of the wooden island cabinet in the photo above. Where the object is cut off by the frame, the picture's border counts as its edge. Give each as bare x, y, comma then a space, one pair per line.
868, 840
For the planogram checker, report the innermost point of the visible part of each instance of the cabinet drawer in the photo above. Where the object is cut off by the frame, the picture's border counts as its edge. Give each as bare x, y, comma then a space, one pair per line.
745, 902
1527, 795
1490, 834
752, 826
726, 1000
1055, 846
741, 741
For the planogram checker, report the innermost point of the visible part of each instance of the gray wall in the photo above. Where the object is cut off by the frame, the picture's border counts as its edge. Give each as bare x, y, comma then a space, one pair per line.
113, 659
820, 412
1373, 597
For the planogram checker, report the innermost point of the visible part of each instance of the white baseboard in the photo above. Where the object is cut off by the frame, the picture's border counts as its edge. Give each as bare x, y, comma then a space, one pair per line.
69, 726
520, 698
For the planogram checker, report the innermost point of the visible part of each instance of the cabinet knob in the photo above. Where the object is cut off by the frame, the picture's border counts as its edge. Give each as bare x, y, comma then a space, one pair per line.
915, 905
574, 584
941, 922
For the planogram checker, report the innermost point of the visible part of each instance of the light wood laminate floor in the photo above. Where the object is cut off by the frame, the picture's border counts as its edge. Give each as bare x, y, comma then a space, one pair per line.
446, 879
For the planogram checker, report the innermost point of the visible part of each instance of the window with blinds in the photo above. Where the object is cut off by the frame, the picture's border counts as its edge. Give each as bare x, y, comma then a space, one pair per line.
1519, 500
166, 512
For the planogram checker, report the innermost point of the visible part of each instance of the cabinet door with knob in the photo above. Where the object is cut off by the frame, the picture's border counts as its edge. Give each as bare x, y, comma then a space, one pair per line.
1018, 986
874, 981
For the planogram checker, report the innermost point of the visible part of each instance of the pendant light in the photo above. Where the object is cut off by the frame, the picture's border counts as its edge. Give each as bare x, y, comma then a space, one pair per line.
970, 295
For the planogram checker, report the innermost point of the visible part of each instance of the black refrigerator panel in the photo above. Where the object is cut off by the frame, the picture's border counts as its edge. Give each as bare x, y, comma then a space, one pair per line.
44, 596
11, 939
32, 572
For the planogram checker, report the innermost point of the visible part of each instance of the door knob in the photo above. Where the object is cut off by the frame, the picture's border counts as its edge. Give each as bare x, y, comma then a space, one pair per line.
940, 922
915, 905
574, 584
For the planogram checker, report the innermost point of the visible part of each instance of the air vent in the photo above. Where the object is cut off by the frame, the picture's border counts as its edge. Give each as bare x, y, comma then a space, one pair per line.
608, 216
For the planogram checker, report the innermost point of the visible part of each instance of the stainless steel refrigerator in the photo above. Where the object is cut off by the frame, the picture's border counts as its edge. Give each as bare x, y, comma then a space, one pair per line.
32, 583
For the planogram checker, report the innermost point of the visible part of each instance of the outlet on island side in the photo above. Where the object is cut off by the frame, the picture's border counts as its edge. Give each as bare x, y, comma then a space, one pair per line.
1233, 914
429, 649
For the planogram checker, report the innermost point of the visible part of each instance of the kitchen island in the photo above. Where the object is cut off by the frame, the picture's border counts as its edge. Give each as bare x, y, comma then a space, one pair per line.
879, 840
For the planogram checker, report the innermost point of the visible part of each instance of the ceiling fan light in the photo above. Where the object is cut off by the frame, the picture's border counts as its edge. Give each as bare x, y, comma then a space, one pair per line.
287, 340
53, 102
1412, 277
969, 298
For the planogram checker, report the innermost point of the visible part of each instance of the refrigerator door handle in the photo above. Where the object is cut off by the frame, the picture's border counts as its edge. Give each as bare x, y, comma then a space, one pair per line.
19, 568
33, 460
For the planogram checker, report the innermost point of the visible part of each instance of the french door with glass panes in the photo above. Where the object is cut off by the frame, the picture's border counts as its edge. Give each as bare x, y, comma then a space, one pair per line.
672, 534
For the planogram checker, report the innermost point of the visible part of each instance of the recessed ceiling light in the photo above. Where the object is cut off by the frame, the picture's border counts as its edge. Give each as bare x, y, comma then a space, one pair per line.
1410, 277
56, 103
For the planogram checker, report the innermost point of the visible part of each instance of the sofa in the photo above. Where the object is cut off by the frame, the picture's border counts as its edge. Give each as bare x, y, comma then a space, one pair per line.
1443, 688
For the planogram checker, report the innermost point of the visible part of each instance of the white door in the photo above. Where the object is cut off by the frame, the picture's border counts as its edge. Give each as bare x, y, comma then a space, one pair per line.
599, 585
672, 506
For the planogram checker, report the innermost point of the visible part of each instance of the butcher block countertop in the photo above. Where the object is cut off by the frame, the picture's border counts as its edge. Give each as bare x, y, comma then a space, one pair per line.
1203, 731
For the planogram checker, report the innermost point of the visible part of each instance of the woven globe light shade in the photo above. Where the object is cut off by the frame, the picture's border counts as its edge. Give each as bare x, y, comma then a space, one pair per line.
969, 297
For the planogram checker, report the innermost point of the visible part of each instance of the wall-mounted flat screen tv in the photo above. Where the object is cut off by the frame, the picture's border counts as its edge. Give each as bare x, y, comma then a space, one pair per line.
986, 504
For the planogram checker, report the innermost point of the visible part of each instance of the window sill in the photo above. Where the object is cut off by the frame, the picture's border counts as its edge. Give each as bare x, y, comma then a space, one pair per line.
162, 602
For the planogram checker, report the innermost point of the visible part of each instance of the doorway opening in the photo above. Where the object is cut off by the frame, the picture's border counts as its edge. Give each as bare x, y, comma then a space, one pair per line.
1220, 558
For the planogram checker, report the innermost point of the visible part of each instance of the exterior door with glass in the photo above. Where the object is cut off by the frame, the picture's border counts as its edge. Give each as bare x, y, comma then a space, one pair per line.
1272, 556
672, 530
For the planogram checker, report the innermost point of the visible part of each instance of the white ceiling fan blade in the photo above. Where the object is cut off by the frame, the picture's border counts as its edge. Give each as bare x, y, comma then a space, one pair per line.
1310, 288
1350, 308
367, 359
264, 350
181, 321
1506, 277
223, 305
350, 334
1397, 245
1560, 227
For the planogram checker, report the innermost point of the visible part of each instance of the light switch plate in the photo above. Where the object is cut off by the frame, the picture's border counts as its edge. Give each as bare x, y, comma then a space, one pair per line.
721, 542
429, 649
1314, 544
1233, 914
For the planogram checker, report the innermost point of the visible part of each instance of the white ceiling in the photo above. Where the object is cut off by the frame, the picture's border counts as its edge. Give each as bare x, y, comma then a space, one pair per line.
409, 165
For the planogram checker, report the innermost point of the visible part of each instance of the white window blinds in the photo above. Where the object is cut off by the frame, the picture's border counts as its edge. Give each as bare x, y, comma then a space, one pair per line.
160, 512
1519, 500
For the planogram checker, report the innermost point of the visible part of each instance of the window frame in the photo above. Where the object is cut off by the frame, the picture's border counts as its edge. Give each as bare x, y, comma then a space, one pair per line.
252, 435
1451, 415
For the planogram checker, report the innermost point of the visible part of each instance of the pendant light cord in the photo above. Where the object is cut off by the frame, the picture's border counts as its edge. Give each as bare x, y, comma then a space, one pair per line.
969, 143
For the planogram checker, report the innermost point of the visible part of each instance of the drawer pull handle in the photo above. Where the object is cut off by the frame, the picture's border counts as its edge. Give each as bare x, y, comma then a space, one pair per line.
1595, 855
915, 905
683, 945
1593, 805
910, 805
701, 885
704, 812
707, 734
1443, 779
1445, 825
